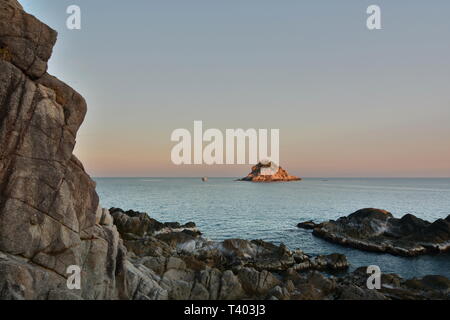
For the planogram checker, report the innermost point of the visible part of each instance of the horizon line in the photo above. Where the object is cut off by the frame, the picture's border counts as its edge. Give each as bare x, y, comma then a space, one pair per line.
234, 177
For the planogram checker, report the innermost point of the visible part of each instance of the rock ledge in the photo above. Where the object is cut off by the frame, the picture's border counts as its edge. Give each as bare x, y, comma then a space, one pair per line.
377, 230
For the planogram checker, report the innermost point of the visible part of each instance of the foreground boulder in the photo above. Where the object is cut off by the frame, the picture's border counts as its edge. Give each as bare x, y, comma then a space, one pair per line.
377, 230
268, 172
393, 287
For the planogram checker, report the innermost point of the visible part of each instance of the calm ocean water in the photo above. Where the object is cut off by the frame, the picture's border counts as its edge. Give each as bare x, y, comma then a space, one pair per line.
223, 208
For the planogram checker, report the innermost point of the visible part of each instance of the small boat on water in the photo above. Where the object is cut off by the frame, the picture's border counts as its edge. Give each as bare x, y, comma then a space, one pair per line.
205, 179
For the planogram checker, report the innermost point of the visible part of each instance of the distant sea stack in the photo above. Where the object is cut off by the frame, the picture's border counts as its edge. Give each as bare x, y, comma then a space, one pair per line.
268, 171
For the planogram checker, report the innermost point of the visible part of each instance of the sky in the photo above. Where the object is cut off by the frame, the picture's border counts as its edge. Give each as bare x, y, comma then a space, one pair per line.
349, 102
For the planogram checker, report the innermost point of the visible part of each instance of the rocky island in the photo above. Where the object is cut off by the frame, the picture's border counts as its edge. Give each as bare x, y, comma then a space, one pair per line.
51, 218
268, 171
377, 230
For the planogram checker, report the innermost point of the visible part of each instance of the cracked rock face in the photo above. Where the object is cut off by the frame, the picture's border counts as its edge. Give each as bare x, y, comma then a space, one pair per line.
48, 203
24, 40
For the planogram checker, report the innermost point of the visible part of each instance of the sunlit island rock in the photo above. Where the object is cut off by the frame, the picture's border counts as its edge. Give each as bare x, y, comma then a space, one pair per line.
268, 171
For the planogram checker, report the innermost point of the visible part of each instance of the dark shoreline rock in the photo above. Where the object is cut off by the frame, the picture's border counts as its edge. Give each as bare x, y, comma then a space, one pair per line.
140, 224
229, 269
394, 287
378, 231
244, 269
308, 225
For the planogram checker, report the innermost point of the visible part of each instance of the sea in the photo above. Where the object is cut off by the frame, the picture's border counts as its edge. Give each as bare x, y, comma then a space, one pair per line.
224, 208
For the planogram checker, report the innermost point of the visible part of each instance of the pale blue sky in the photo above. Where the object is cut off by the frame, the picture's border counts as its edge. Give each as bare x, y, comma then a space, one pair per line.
348, 101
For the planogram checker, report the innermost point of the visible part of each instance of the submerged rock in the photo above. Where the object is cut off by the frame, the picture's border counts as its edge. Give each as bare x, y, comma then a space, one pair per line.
377, 230
268, 172
309, 225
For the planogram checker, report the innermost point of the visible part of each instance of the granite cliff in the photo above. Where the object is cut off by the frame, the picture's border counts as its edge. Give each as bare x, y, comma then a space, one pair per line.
49, 209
